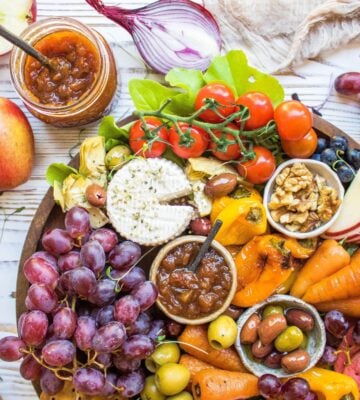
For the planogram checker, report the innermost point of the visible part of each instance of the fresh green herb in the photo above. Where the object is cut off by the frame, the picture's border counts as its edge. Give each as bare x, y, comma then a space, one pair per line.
58, 172
170, 155
110, 130
351, 248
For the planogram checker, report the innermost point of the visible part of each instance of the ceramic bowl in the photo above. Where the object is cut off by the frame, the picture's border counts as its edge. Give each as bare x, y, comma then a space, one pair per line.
315, 346
221, 250
318, 168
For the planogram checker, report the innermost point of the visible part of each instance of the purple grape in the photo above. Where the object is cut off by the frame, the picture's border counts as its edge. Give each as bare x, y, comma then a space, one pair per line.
329, 356
269, 386
356, 333
30, 369
88, 381
124, 255
84, 333
65, 283
77, 222
332, 340
38, 270
104, 293
105, 315
84, 309
109, 389
130, 279
57, 241
132, 383
58, 353
146, 293
336, 323
138, 347
50, 335
141, 325
69, 261
64, 323
94, 313
105, 359
41, 297
106, 237
348, 83
34, 326
295, 388
127, 310
11, 348
50, 383
157, 329
311, 396
44, 255
82, 281
109, 337
125, 365
93, 256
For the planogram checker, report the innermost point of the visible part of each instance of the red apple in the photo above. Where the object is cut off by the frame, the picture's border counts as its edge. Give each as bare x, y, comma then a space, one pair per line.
16, 144
15, 15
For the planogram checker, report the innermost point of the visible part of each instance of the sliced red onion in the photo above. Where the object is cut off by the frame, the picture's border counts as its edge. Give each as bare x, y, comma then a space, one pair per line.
169, 33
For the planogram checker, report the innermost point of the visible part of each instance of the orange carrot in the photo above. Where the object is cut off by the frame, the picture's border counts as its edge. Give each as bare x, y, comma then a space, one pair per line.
344, 284
350, 307
194, 365
216, 384
328, 259
194, 341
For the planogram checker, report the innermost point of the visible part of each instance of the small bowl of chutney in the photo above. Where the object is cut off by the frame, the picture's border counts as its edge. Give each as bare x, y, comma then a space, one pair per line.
198, 297
82, 82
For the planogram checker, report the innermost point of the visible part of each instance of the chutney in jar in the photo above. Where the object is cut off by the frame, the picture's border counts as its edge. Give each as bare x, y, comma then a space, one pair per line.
188, 294
75, 61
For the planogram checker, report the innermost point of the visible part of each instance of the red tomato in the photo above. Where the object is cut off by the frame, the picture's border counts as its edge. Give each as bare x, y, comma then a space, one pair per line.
260, 109
259, 169
147, 142
223, 95
222, 151
293, 120
192, 143
303, 148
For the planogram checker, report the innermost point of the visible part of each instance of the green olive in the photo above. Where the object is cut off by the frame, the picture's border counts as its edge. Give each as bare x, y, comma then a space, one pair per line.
150, 365
305, 342
222, 332
271, 310
150, 391
117, 156
172, 378
289, 340
181, 396
166, 353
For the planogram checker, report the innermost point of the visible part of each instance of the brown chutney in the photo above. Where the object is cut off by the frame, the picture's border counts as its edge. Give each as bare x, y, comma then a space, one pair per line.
193, 295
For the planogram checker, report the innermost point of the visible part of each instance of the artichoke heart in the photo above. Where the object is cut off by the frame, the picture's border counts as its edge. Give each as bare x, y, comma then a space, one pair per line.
92, 160
203, 167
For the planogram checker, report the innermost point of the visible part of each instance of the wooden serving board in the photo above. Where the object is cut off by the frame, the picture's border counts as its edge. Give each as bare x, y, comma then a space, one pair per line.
49, 215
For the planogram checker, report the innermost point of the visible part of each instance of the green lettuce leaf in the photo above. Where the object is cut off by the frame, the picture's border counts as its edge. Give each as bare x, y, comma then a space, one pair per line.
58, 172
110, 130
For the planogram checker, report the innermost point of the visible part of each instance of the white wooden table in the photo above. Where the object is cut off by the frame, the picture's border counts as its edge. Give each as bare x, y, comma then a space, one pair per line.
52, 145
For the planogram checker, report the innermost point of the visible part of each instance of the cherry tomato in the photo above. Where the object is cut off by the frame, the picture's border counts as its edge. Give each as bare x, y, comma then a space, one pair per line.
303, 148
259, 169
260, 109
223, 95
293, 120
192, 143
223, 152
153, 142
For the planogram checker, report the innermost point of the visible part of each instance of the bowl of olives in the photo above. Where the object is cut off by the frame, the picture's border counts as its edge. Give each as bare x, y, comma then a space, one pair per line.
281, 336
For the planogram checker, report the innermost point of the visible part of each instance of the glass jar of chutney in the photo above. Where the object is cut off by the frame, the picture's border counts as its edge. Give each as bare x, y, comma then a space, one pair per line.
82, 82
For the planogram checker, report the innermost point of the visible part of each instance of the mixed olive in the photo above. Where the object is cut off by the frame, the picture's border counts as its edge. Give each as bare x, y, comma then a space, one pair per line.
278, 337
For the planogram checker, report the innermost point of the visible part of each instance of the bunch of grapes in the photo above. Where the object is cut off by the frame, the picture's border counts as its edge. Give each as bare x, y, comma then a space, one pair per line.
88, 318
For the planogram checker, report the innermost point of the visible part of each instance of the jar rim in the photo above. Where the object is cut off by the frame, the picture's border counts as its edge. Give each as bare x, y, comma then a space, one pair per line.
35, 32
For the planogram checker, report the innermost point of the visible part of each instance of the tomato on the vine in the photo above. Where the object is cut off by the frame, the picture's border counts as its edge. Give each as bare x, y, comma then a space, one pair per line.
259, 169
192, 142
303, 148
222, 95
148, 141
293, 120
261, 110
225, 151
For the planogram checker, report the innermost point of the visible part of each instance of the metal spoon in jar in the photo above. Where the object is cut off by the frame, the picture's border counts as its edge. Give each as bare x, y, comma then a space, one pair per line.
31, 51
205, 246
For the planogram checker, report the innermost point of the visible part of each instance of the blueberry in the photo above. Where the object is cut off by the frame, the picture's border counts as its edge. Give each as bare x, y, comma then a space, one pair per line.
345, 173
328, 156
353, 157
339, 143
322, 144
316, 156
